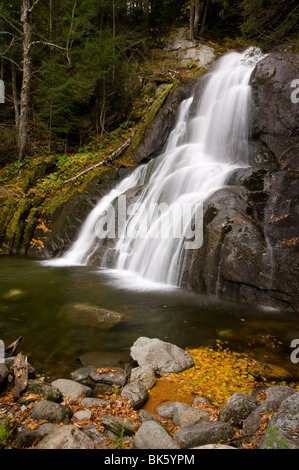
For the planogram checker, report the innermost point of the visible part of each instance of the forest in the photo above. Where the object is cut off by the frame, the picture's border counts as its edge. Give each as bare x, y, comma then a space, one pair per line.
70, 67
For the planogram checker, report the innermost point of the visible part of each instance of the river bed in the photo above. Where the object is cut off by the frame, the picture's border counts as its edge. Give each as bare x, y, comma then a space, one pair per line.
34, 299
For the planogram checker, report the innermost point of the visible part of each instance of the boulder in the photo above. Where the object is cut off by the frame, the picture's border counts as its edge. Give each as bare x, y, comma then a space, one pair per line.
114, 376
182, 414
50, 411
161, 356
85, 314
71, 389
237, 408
151, 435
44, 390
66, 437
145, 374
201, 56
274, 397
136, 392
204, 433
283, 427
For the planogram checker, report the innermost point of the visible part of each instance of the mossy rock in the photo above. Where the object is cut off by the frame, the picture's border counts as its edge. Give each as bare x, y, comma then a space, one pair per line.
8, 430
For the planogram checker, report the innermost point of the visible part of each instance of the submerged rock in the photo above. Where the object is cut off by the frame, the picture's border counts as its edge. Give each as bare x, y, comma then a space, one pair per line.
90, 315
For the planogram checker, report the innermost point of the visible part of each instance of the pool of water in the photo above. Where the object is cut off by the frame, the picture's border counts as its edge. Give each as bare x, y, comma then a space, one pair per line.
37, 302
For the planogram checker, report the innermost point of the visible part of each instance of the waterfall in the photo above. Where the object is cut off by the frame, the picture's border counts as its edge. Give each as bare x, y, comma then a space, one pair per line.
209, 139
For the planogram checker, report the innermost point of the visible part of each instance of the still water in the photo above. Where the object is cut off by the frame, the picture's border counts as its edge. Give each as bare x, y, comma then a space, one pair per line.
40, 303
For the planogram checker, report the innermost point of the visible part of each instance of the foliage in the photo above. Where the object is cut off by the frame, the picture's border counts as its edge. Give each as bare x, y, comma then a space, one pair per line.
270, 22
217, 374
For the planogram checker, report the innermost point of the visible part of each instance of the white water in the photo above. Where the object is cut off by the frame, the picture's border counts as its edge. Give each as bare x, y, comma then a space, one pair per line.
199, 154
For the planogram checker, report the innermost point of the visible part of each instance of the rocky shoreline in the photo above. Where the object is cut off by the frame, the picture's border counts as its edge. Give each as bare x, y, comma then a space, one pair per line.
101, 408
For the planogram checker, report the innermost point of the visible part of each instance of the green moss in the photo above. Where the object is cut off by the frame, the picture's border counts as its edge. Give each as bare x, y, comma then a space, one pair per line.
147, 120
8, 428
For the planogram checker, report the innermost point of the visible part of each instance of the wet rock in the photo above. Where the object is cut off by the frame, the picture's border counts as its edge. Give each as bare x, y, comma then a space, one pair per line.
50, 411
161, 356
151, 435
237, 408
115, 376
71, 389
204, 433
91, 315
275, 115
80, 374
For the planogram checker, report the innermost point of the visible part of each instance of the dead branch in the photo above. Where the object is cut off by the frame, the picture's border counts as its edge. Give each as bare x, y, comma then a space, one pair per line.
113, 156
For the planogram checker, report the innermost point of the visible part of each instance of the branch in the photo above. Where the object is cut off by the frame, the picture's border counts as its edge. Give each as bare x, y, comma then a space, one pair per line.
33, 6
49, 44
11, 24
114, 155
10, 60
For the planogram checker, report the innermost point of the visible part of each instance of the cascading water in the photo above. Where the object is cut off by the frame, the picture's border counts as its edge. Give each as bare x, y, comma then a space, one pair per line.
201, 150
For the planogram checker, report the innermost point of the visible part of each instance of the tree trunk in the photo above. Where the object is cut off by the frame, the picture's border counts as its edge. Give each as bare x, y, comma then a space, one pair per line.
191, 30
15, 97
24, 101
196, 17
205, 11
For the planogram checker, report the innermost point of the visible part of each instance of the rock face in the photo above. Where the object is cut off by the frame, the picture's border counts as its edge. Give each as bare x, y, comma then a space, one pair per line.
250, 239
276, 113
161, 356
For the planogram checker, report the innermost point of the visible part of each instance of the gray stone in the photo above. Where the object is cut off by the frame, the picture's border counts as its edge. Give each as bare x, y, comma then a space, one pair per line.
161, 356
66, 437
145, 374
136, 393
214, 446
237, 408
44, 390
3, 374
80, 374
93, 433
116, 376
201, 56
187, 416
204, 433
71, 389
182, 414
151, 435
83, 414
144, 415
94, 402
50, 411
275, 396
284, 426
